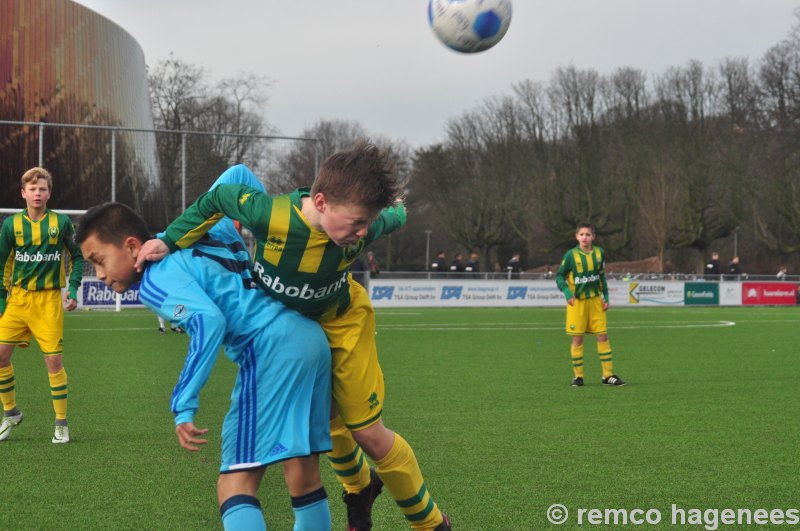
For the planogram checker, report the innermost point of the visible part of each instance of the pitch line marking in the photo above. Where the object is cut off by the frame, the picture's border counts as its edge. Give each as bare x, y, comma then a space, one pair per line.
518, 326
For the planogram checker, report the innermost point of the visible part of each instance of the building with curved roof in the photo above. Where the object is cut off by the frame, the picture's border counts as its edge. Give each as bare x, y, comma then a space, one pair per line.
62, 63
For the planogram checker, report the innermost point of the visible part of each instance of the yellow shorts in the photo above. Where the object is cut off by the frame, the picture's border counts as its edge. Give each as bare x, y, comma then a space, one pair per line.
586, 316
37, 313
357, 376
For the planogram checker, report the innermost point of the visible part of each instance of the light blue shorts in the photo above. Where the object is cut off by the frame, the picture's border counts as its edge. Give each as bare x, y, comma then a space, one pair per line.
281, 404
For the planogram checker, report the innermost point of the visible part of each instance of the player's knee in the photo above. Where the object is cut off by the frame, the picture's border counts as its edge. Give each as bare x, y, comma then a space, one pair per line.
375, 440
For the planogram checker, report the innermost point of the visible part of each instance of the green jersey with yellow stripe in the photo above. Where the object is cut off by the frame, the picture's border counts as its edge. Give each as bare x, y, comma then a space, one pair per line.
582, 274
294, 263
33, 254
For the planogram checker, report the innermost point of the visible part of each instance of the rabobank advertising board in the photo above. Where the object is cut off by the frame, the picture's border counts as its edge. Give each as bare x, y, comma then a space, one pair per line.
96, 295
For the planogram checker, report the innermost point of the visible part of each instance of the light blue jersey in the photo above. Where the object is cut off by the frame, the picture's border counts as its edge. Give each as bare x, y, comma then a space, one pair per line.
280, 406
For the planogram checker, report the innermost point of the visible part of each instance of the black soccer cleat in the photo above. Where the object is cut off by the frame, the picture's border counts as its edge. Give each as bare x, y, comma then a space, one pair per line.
445, 525
577, 382
614, 381
359, 505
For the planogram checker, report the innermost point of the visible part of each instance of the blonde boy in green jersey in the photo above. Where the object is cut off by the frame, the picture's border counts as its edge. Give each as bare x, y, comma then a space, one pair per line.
33, 247
306, 241
582, 280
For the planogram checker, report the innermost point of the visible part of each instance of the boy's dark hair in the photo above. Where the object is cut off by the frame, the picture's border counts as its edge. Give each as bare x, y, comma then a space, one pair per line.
362, 175
585, 225
111, 223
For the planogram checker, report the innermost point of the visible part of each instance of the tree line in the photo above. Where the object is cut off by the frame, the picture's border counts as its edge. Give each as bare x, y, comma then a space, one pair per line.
698, 158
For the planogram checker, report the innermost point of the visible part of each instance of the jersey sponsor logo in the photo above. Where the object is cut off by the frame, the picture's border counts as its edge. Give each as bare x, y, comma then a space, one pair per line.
53, 232
37, 257
586, 279
382, 292
305, 292
275, 243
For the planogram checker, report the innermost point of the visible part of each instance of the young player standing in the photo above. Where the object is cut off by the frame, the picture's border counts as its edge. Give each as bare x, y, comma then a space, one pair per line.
281, 401
582, 280
306, 241
33, 248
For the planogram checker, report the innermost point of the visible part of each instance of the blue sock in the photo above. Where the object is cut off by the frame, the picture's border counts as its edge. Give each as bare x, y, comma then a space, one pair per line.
242, 513
311, 511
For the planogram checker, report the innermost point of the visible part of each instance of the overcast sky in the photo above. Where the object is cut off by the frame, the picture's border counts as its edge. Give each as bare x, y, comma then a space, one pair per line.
378, 63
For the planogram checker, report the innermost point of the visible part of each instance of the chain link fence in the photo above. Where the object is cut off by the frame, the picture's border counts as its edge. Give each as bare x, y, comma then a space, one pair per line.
156, 172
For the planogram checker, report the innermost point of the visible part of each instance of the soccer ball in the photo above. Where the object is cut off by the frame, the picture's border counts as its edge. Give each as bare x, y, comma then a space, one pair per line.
469, 26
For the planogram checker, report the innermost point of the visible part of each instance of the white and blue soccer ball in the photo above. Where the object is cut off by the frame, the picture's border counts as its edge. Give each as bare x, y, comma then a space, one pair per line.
469, 26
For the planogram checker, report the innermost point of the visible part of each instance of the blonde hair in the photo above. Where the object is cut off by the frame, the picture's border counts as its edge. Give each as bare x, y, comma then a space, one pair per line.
36, 173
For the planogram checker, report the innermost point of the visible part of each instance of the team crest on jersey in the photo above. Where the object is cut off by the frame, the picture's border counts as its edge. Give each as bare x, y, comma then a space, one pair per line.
352, 251
275, 243
53, 232
179, 312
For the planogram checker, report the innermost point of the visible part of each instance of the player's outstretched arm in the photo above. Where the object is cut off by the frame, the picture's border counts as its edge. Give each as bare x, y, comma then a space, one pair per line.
189, 436
151, 251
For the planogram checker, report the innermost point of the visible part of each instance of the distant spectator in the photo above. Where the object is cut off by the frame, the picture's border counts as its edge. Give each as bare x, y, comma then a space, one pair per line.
357, 270
457, 266
733, 269
374, 268
781, 274
513, 266
439, 263
473, 265
713, 268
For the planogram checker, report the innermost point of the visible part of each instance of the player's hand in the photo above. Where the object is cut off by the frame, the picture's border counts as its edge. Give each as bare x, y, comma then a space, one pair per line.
571, 301
151, 251
188, 436
69, 304
605, 306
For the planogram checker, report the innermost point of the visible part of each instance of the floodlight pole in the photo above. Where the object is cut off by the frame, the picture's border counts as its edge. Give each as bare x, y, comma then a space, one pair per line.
736, 241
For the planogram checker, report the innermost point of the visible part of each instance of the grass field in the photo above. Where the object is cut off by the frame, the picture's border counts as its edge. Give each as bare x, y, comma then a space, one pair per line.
709, 420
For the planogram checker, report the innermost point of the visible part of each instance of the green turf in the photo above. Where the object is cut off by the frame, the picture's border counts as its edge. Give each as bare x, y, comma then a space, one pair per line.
708, 420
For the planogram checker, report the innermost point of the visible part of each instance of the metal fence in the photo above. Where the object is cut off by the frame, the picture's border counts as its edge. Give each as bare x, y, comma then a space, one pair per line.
157, 172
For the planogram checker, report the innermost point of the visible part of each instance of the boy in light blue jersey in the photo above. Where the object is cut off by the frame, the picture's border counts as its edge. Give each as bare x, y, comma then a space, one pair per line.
281, 401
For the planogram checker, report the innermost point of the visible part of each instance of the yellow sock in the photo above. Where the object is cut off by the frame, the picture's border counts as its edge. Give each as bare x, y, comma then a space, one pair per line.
58, 390
604, 350
347, 459
577, 360
7, 393
401, 475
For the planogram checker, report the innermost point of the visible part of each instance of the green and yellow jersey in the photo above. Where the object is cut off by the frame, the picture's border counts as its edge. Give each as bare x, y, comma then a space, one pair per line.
33, 254
294, 263
582, 274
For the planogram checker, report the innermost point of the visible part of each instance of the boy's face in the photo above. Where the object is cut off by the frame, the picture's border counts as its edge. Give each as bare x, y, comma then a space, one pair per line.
585, 237
344, 223
36, 194
114, 264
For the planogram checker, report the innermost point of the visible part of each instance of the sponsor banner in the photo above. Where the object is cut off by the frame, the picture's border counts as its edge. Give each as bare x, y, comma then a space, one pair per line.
386, 293
94, 294
730, 293
464, 293
769, 293
701, 293
655, 293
